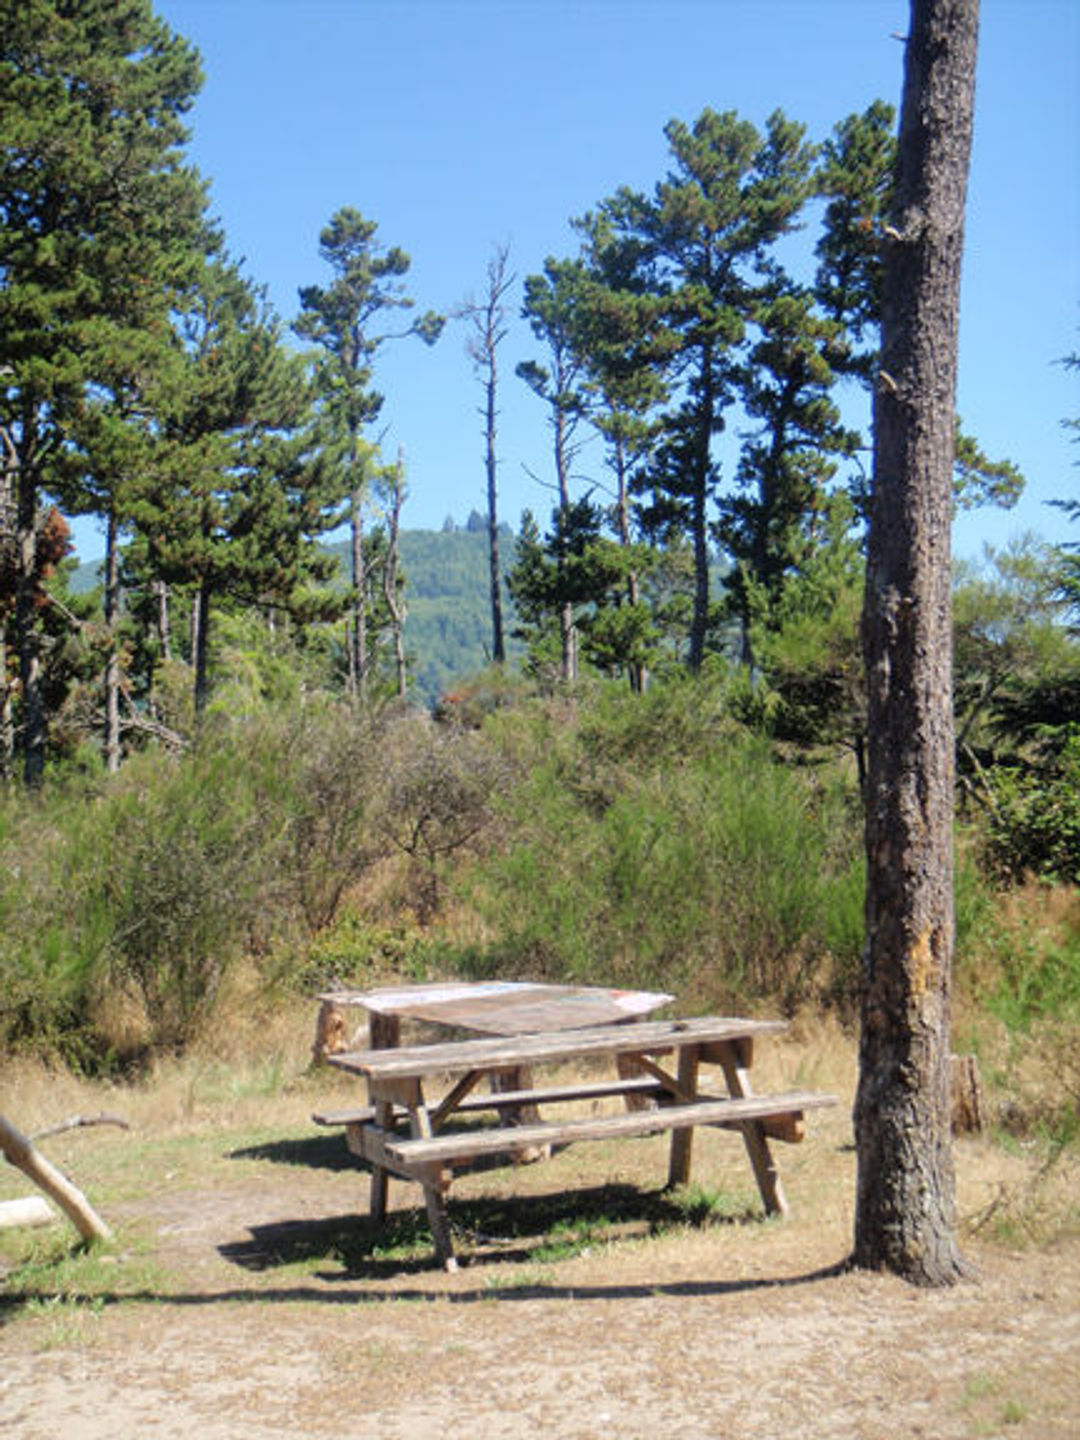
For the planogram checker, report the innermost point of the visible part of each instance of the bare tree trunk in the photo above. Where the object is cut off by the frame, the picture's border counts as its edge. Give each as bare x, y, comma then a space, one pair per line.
498, 642
567, 628
112, 662
27, 639
200, 627
905, 1205
358, 631
8, 471
395, 603
488, 320
638, 674
161, 589
699, 512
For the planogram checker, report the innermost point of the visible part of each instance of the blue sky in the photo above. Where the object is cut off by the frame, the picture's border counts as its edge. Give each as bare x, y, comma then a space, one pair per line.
458, 125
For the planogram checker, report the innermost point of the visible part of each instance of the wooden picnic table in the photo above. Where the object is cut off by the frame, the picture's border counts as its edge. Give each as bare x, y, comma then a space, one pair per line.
402, 1080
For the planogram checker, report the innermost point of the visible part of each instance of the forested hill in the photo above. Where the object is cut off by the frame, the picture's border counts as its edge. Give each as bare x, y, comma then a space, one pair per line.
448, 629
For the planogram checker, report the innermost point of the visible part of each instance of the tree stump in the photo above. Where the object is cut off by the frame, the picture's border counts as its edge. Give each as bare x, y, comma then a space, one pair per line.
968, 1107
331, 1032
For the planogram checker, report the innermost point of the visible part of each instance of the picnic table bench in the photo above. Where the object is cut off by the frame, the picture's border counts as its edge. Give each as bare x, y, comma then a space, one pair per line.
660, 1100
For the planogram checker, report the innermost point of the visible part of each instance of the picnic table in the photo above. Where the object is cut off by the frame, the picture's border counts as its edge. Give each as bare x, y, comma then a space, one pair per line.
404, 1129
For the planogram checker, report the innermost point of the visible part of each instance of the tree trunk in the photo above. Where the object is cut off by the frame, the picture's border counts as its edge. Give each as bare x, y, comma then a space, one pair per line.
637, 674
7, 718
358, 632
161, 589
200, 624
567, 628
905, 1204
27, 637
392, 594
7, 542
699, 509
498, 643
112, 661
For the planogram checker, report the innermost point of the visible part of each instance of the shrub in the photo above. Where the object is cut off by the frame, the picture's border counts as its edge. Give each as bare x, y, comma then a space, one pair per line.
1034, 820
714, 871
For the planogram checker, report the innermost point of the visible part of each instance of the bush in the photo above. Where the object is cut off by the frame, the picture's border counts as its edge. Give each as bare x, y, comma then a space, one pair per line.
714, 872
1034, 821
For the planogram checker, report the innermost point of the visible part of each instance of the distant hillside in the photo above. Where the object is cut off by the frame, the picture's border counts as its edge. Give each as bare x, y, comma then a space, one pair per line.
448, 629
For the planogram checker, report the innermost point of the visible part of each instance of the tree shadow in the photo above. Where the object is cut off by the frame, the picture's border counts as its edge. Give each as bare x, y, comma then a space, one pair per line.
317, 1152
487, 1230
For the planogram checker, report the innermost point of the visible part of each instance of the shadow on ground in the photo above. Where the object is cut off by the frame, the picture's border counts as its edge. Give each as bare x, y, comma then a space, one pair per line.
486, 1230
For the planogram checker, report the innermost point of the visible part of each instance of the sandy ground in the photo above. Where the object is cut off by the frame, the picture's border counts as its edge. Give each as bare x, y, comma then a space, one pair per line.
742, 1330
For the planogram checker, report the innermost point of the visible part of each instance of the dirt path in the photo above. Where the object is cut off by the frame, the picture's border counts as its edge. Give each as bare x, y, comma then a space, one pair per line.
737, 1331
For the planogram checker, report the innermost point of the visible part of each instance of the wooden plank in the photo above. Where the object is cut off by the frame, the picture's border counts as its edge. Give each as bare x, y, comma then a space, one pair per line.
472, 1144
645, 1037
508, 1099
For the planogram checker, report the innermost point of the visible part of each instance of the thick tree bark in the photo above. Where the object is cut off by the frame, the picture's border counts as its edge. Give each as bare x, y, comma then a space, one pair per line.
905, 1202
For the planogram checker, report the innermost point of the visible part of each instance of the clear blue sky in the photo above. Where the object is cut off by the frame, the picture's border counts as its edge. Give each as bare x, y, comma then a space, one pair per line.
460, 124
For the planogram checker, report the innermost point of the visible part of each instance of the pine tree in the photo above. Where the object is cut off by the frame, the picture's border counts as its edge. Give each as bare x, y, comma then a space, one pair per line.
97, 213
234, 502
701, 242
343, 320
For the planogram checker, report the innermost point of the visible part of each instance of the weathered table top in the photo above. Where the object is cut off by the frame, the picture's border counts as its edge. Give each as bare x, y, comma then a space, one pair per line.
505, 1007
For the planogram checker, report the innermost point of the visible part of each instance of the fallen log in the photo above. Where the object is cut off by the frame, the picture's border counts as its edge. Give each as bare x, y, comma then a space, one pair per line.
22, 1154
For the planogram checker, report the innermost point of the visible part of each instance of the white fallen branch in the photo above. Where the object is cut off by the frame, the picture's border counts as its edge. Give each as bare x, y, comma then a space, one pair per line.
21, 1153
21, 1214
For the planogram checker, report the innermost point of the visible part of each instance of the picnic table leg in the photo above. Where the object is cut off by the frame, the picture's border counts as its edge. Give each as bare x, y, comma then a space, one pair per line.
384, 1033
682, 1141
736, 1060
435, 1181
384, 1119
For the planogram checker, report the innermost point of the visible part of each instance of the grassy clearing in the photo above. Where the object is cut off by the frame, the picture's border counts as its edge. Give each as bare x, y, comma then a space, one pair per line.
220, 1151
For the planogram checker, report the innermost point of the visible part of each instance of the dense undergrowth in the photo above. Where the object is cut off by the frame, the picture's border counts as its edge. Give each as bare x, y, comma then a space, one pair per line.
648, 841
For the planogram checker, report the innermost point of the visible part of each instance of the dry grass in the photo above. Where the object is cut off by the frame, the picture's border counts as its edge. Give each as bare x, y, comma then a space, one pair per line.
244, 1297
